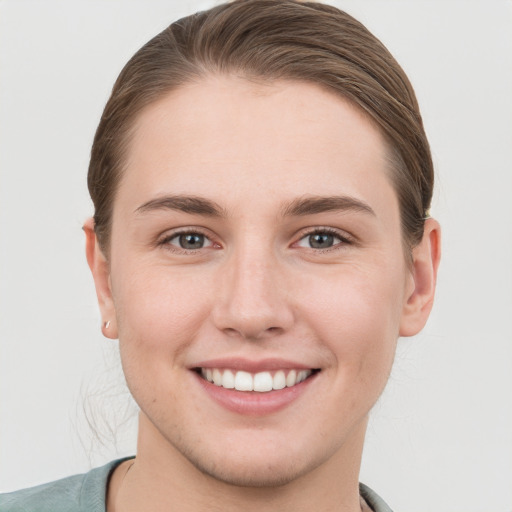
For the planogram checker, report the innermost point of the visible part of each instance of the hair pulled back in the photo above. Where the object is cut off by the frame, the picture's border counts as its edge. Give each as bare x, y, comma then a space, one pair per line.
270, 40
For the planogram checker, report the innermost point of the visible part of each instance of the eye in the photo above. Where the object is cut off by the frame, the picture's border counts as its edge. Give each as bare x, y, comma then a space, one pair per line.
322, 239
189, 241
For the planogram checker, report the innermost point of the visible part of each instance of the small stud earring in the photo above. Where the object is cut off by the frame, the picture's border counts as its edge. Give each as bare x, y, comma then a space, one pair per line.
106, 324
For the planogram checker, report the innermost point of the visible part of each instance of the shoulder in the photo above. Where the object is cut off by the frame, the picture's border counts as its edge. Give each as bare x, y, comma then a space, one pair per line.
374, 501
78, 493
59, 496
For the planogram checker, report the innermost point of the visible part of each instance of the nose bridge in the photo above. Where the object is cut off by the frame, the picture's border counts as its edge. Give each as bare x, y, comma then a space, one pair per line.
253, 296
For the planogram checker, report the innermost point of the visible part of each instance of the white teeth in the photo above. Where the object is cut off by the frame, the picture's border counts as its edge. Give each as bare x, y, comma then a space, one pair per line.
243, 381
217, 377
228, 380
261, 382
279, 380
291, 379
302, 375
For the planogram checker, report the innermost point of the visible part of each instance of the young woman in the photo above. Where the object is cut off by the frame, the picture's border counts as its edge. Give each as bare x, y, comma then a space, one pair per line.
261, 238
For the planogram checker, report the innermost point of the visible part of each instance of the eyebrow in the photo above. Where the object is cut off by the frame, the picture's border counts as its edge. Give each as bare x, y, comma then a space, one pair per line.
185, 204
311, 205
308, 205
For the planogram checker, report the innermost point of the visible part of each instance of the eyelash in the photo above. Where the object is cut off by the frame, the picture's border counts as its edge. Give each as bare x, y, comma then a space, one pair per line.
344, 240
165, 242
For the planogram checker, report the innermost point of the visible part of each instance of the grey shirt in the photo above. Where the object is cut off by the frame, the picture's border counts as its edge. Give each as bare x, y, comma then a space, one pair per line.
87, 493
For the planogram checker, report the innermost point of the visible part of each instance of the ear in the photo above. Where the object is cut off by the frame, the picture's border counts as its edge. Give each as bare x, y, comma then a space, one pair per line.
423, 275
101, 274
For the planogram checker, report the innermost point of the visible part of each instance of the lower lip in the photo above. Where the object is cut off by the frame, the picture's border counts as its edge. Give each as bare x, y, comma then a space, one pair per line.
253, 403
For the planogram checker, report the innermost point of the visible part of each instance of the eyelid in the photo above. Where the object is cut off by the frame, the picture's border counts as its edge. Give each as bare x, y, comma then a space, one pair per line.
165, 238
344, 237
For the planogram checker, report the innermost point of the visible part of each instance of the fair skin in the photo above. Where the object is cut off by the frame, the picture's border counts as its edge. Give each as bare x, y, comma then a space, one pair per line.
273, 279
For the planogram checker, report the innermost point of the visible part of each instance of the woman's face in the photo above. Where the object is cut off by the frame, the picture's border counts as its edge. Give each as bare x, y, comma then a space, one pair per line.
255, 236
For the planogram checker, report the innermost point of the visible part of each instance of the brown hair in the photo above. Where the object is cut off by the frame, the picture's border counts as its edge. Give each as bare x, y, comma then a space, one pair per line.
270, 40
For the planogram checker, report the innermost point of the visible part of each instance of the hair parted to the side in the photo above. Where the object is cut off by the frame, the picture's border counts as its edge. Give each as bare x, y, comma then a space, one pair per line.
270, 40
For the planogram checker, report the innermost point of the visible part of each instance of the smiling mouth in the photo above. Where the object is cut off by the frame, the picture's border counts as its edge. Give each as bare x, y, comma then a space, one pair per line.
261, 382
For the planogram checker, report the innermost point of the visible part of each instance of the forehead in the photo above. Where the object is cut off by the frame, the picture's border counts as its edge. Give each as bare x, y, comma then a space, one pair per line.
230, 136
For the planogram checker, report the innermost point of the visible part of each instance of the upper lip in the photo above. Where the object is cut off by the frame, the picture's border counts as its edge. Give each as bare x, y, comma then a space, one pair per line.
252, 366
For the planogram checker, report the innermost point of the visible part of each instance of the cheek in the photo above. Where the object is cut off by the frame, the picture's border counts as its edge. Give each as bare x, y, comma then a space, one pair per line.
357, 315
159, 313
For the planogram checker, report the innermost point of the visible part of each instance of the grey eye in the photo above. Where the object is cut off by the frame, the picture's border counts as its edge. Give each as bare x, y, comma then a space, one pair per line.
188, 241
191, 241
321, 240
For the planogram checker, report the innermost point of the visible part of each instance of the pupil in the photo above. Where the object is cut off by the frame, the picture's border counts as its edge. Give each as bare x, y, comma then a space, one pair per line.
321, 240
191, 241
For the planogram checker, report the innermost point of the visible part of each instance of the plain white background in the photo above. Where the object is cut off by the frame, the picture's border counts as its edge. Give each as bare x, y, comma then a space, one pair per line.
440, 438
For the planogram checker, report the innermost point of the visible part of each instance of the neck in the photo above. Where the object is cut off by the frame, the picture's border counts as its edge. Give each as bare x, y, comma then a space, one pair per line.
162, 479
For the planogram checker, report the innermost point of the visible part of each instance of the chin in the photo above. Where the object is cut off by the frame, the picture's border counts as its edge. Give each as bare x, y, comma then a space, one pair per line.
251, 473
257, 463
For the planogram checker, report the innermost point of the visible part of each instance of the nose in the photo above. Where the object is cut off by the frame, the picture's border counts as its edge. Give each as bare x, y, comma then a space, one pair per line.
253, 299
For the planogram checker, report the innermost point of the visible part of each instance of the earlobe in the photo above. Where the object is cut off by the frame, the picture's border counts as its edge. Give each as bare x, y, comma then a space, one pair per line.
100, 270
418, 303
